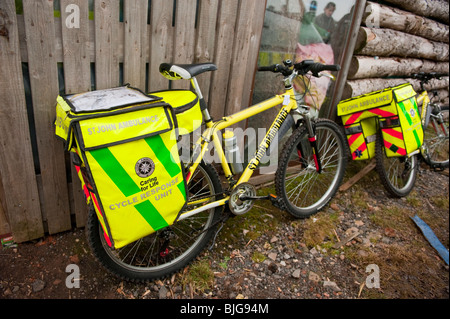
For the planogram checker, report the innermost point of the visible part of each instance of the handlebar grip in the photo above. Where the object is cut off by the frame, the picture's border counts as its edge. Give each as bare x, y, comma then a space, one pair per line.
334, 67
270, 68
317, 67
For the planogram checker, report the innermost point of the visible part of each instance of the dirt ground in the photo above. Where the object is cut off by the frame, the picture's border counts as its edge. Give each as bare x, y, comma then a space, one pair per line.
267, 254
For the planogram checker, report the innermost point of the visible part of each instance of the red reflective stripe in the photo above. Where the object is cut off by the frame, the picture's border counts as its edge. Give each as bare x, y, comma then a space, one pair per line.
85, 189
355, 116
352, 119
96, 204
362, 148
393, 133
108, 241
353, 138
400, 150
86, 192
381, 113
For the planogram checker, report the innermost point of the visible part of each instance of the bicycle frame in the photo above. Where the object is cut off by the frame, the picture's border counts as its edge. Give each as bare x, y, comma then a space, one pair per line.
425, 100
211, 134
426, 116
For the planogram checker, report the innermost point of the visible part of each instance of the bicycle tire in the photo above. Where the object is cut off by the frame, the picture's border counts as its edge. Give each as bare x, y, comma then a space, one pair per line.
297, 176
397, 174
127, 262
436, 142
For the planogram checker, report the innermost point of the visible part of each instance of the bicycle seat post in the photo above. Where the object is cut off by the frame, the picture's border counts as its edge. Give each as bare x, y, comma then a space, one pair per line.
203, 105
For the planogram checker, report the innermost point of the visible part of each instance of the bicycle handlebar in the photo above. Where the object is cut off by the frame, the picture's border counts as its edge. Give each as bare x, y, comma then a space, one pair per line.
425, 77
302, 68
276, 68
315, 68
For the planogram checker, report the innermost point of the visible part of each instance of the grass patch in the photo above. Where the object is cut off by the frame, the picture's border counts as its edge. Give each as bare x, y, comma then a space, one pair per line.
199, 275
224, 263
319, 228
414, 200
257, 257
359, 199
394, 217
440, 201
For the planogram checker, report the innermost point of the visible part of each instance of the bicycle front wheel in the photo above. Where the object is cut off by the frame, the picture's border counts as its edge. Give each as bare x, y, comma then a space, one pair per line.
302, 188
397, 174
436, 139
170, 249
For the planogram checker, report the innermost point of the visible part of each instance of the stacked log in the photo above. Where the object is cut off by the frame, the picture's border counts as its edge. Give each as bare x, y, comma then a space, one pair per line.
435, 9
398, 40
373, 67
400, 20
387, 42
363, 86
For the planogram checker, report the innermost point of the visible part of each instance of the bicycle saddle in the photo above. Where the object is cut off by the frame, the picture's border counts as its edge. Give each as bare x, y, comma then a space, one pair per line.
184, 71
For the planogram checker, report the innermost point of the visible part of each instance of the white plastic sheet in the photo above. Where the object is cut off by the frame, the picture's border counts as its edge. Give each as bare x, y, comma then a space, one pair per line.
102, 100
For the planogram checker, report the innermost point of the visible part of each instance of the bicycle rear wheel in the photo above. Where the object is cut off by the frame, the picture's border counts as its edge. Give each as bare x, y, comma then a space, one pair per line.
397, 174
436, 139
170, 249
303, 190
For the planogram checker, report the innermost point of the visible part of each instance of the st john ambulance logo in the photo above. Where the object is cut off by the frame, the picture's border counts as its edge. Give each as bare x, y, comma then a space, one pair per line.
145, 167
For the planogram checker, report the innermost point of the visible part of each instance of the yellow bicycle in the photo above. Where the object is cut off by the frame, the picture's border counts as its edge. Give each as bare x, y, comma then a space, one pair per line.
310, 169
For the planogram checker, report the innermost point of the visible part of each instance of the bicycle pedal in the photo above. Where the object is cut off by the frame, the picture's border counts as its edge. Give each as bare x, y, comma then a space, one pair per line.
276, 201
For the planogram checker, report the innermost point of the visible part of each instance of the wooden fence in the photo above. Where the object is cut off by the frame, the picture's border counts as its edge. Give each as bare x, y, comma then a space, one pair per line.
48, 50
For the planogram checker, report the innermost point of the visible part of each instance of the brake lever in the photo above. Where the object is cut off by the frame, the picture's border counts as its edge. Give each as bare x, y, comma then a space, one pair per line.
330, 76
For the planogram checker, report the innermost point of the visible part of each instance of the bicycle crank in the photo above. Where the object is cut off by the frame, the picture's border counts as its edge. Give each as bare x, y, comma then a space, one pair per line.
241, 198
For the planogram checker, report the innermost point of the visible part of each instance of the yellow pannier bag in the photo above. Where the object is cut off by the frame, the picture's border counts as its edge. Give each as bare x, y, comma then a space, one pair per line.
186, 106
394, 110
127, 159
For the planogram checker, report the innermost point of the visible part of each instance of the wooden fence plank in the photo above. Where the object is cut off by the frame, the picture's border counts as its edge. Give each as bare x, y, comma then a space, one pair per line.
253, 53
222, 56
77, 76
21, 197
106, 19
75, 38
240, 56
135, 42
5, 228
205, 40
40, 31
161, 42
184, 38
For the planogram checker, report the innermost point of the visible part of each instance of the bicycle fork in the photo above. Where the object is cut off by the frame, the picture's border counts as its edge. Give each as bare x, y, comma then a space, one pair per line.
312, 141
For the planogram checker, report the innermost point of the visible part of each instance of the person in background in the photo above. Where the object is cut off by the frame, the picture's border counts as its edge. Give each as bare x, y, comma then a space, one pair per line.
325, 23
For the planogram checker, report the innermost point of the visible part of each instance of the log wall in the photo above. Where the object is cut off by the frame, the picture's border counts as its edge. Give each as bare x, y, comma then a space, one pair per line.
397, 39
